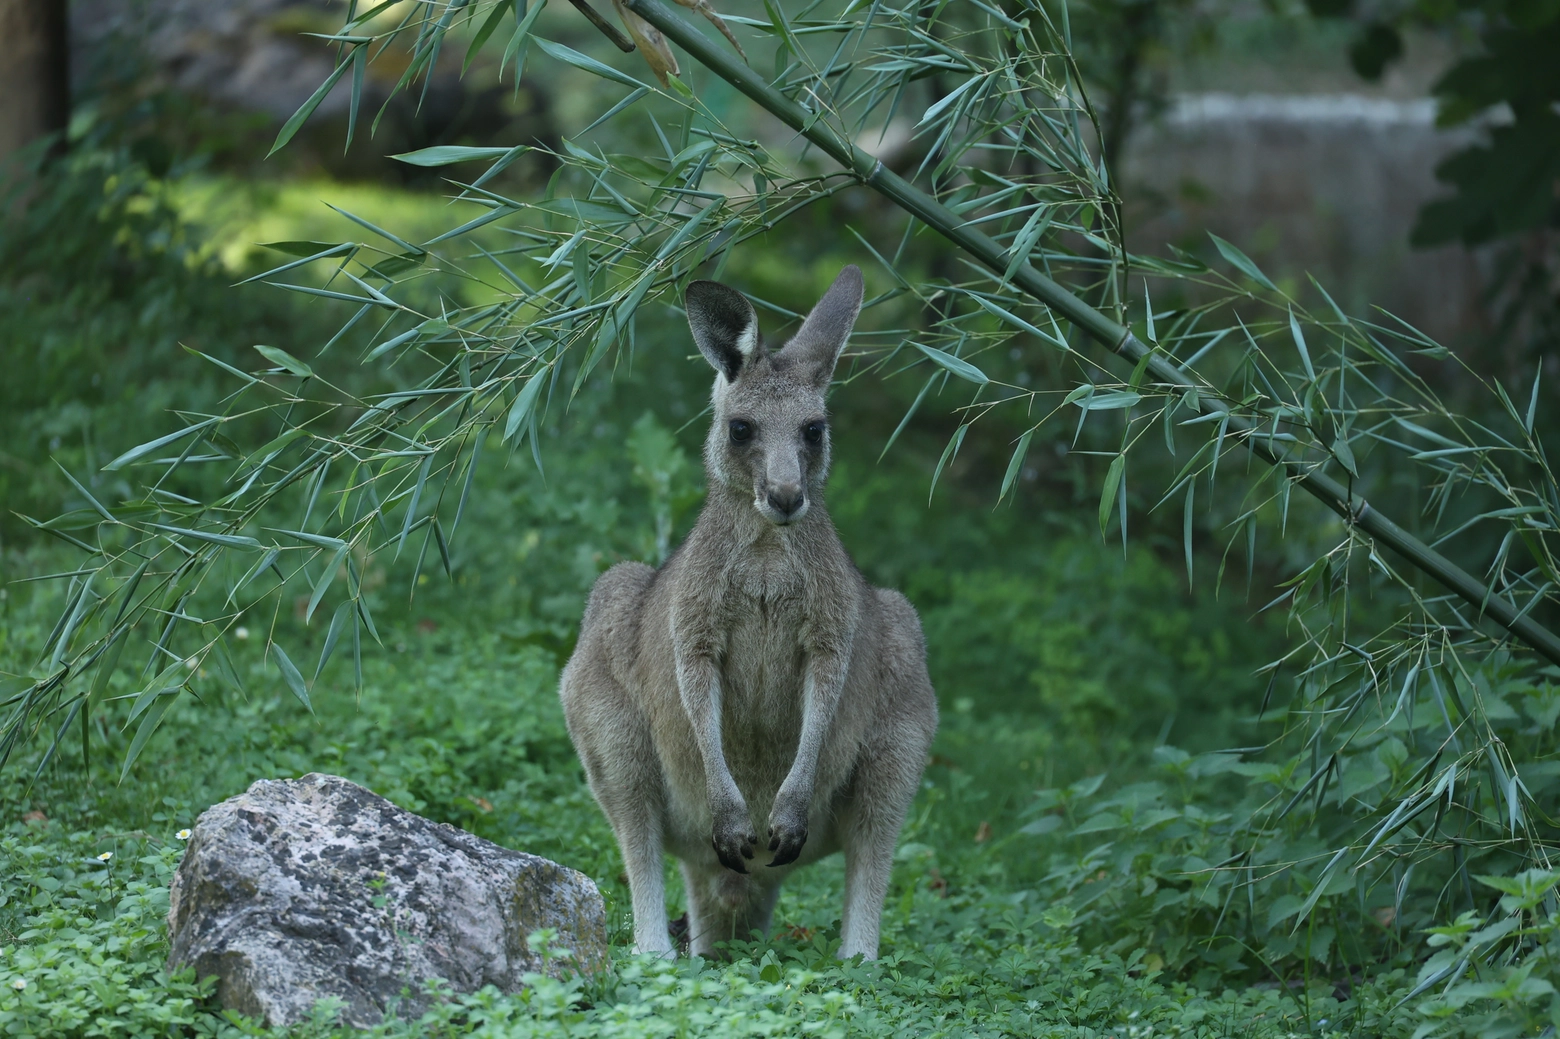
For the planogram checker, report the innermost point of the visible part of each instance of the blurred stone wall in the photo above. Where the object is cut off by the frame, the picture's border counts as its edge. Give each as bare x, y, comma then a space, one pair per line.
244, 53
1326, 184
252, 57
1323, 183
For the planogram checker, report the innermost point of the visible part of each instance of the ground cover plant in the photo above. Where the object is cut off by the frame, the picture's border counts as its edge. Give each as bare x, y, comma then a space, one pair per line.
368, 555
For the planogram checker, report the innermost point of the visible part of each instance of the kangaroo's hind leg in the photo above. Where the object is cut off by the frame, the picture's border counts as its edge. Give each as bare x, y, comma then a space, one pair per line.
611, 732
871, 815
613, 738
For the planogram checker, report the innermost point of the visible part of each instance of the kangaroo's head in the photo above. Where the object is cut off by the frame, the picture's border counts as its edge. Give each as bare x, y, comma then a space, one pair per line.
770, 437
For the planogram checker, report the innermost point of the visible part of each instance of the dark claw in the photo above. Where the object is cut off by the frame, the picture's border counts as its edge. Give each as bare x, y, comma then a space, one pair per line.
734, 851
731, 862
787, 846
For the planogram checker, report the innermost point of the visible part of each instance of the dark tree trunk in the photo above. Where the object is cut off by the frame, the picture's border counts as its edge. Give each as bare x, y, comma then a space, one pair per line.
34, 72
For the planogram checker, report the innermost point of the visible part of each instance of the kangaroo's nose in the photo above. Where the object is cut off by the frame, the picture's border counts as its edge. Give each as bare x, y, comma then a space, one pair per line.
785, 498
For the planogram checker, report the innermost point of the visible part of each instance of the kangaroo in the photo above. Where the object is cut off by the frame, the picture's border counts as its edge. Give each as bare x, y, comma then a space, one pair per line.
756, 675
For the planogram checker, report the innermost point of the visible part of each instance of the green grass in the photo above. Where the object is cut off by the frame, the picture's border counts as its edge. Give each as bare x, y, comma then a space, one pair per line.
461, 723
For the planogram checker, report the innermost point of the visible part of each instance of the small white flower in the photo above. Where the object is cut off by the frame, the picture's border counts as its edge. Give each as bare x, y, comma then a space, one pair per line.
19, 984
183, 835
191, 663
241, 633
105, 856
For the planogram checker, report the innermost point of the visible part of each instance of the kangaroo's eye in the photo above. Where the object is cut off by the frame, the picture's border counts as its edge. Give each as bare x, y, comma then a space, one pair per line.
741, 431
813, 431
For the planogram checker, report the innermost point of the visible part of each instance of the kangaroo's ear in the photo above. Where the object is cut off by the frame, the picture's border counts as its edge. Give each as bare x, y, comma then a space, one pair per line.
817, 344
724, 326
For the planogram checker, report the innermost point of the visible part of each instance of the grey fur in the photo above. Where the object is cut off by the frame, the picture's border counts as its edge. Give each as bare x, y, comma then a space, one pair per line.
756, 674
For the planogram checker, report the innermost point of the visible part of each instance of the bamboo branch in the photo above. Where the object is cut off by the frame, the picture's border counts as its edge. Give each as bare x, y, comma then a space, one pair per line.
1354, 509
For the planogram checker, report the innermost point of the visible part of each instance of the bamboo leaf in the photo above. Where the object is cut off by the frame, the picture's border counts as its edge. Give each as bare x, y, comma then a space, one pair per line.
106, 664
97, 505
1186, 529
1113, 477
1241, 262
949, 453
137, 453
249, 379
488, 26
957, 365
525, 400
1115, 400
322, 585
171, 677
1305, 355
307, 109
1345, 455
282, 359
225, 540
1015, 463
224, 662
1014, 319
1532, 408
338, 624
291, 676
585, 63
411, 507
148, 726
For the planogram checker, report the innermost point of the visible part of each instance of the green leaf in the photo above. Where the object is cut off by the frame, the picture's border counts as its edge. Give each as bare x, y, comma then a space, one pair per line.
338, 624
1186, 530
1113, 476
109, 517
1014, 319
1532, 408
322, 585
949, 453
958, 366
1015, 463
107, 663
525, 400
322, 540
1241, 262
1024, 241
449, 154
221, 364
224, 663
1299, 337
84, 601
147, 448
491, 23
411, 507
291, 676
225, 540
169, 679
307, 108
305, 249
282, 359
1345, 455
586, 63
1112, 401
148, 726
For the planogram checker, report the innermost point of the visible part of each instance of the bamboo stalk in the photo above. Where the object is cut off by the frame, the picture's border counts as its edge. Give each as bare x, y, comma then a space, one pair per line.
1353, 508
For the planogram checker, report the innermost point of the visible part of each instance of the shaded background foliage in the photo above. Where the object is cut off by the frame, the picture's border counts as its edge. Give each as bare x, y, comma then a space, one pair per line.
1066, 665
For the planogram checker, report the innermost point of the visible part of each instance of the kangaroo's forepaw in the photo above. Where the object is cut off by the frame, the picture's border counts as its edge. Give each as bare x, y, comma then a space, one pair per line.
735, 843
786, 837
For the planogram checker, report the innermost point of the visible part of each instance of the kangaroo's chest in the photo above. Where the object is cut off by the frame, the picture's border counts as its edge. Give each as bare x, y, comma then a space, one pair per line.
762, 670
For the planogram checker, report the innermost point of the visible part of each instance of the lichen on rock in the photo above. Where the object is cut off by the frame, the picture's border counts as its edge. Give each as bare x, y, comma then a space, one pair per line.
315, 888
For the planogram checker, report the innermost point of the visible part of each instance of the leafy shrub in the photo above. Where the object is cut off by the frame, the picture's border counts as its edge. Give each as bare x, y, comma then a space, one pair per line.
83, 936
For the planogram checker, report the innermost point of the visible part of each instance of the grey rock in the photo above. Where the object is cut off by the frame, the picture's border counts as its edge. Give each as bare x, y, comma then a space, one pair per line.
313, 888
